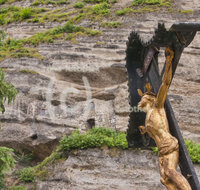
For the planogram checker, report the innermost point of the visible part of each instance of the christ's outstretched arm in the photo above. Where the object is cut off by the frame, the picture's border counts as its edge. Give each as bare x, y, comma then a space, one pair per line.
166, 80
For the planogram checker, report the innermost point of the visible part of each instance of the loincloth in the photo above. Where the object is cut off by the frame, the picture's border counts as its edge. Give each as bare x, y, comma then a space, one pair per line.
168, 146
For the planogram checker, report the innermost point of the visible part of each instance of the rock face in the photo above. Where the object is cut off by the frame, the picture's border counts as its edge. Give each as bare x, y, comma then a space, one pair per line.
106, 170
86, 81
79, 82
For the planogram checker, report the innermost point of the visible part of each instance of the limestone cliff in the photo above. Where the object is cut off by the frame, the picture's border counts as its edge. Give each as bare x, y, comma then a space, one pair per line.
77, 81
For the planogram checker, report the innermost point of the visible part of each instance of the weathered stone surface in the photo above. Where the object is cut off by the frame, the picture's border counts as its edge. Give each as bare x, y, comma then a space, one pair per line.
105, 169
87, 80
74, 75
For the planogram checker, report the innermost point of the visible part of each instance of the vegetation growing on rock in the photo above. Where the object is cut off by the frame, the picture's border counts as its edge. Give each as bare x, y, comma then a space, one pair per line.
194, 150
79, 5
152, 2
59, 32
111, 24
93, 10
6, 162
26, 175
18, 48
18, 14
7, 92
27, 71
94, 138
49, 2
18, 187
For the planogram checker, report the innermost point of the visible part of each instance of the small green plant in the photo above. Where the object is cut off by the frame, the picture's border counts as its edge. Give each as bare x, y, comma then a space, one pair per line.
90, 32
2, 37
62, 2
101, 9
123, 11
111, 24
3, 1
100, 1
36, 3
25, 158
27, 71
36, 19
151, 2
7, 92
79, 5
18, 188
95, 1
95, 137
49, 2
185, 11
27, 175
6, 162
194, 150
148, 2
26, 13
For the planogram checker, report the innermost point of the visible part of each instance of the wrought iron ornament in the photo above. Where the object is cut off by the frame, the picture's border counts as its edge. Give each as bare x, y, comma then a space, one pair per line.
142, 68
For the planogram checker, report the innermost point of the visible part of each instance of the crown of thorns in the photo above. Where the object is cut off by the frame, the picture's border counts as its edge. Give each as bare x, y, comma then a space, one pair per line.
148, 87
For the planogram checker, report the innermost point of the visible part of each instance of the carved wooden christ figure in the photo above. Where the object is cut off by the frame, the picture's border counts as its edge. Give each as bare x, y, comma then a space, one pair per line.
156, 125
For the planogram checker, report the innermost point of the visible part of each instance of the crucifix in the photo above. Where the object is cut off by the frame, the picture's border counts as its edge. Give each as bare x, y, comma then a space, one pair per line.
155, 123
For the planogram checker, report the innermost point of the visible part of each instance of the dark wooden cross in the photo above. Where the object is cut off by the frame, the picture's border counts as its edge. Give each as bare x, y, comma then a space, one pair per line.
142, 67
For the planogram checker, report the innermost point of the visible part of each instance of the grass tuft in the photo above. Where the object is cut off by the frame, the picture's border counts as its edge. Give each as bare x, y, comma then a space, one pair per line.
26, 175
18, 188
123, 11
151, 2
79, 5
18, 14
111, 24
26, 13
27, 71
101, 9
186, 11
50, 2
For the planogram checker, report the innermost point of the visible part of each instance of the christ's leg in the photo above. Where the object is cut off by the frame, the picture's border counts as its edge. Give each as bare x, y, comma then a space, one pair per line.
170, 162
